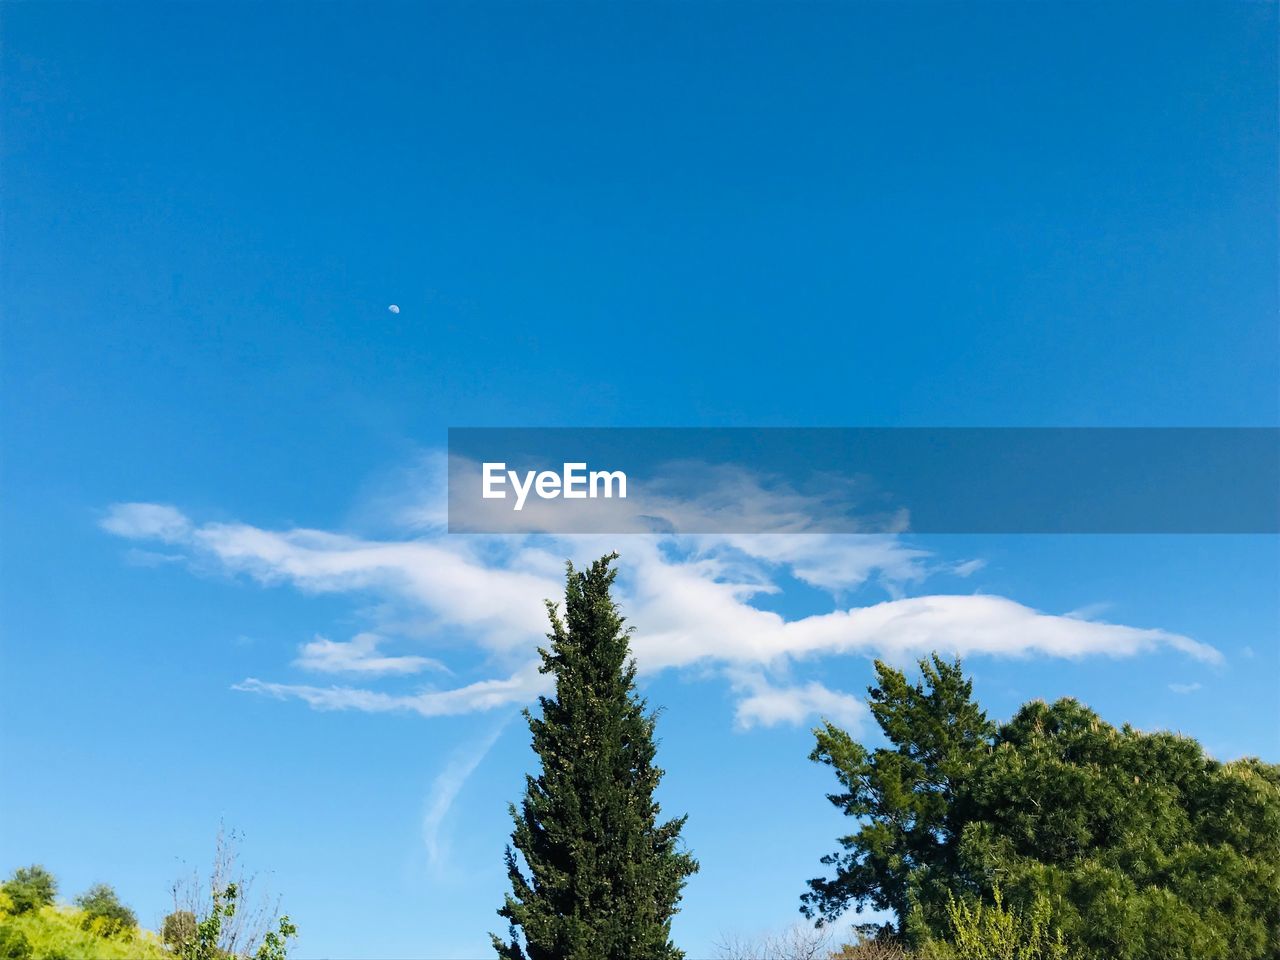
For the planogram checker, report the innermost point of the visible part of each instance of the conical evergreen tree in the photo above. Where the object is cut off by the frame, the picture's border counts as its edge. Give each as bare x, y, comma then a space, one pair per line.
604, 876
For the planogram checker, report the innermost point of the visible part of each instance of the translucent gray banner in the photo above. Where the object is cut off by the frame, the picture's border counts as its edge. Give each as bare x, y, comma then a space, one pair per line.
864, 480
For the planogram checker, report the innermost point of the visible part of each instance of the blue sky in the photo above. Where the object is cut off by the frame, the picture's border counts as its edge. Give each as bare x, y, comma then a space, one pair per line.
655, 215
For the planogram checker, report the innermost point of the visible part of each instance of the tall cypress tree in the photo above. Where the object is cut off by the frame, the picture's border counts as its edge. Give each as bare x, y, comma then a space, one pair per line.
604, 876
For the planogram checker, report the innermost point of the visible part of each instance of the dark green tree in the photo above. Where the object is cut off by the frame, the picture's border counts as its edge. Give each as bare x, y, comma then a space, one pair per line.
1148, 848
604, 875
909, 795
1141, 846
101, 903
31, 888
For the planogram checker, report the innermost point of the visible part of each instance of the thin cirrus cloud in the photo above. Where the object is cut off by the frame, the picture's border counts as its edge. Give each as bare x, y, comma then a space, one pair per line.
147, 521
764, 704
446, 786
359, 655
690, 598
520, 687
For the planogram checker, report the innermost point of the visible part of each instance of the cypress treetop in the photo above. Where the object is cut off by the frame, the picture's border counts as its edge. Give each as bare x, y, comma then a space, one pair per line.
601, 875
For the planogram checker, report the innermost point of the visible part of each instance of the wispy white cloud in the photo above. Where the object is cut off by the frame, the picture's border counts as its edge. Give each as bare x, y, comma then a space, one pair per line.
1088, 612
765, 705
520, 687
1184, 687
454, 580
690, 497
692, 599
446, 787
151, 558
966, 568
833, 562
974, 624
147, 521
359, 655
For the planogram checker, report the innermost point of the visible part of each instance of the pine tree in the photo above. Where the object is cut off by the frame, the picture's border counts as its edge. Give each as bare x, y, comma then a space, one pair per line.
604, 876
1116, 843
905, 855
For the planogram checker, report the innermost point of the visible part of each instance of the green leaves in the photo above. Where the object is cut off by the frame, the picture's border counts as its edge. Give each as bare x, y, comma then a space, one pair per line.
208, 930
30, 888
103, 909
202, 942
905, 852
14, 944
1138, 845
275, 945
980, 931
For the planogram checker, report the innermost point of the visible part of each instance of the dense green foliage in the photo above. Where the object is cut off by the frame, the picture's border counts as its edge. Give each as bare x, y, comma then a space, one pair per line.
1142, 847
14, 944
101, 904
65, 933
30, 888
100, 927
992, 931
604, 875
906, 854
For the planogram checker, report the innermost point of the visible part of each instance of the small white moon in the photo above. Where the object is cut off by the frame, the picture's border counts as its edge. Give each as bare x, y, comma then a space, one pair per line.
393, 308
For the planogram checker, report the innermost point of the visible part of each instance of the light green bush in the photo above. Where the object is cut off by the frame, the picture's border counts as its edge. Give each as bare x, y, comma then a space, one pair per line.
64, 933
13, 943
982, 931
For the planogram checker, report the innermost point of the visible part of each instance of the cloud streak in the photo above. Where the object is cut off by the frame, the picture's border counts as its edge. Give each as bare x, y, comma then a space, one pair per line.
446, 787
693, 601
766, 705
520, 687
359, 655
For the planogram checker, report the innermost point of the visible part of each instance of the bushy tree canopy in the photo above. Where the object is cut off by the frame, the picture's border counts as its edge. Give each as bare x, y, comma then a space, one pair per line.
1143, 846
909, 796
30, 888
604, 874
101, 902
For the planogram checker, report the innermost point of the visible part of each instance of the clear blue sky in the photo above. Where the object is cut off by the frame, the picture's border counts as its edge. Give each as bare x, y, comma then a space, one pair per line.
626, 214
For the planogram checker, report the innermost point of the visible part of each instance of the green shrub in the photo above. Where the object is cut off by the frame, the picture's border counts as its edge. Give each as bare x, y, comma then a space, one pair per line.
179, 929
867, 948
981, 931
30, 888
59, 933
103, 911
14, 944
